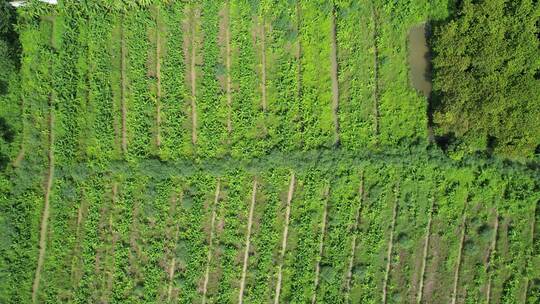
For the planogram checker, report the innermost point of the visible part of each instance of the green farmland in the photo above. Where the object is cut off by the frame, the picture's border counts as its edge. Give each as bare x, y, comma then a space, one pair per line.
269, 151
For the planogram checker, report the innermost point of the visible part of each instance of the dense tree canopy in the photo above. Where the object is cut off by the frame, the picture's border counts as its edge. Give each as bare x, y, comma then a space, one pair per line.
486, 68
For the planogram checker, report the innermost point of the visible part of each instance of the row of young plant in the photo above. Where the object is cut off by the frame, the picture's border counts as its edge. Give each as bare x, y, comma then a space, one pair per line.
125, 234
261, 82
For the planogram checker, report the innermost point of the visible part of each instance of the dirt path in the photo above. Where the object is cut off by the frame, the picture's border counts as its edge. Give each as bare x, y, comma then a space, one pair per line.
158, 80
248, 243
354, 232
321, 245
425, 254
460, 252
390, 248
46, 205
334, 74
375, 21
492, 249
284, 238
123, 84
210, 241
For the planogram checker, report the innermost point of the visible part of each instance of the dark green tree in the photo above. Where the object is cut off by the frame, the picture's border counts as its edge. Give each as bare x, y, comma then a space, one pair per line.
486, 77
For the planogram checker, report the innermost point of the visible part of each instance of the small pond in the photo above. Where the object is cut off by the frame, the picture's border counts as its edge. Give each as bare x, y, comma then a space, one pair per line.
419, 59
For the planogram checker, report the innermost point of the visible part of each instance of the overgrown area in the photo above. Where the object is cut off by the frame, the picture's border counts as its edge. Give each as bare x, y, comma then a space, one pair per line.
487, 78
257, 152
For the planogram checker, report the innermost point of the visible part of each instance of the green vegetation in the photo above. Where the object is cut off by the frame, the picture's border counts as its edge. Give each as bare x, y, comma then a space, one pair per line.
251, 151
487, 65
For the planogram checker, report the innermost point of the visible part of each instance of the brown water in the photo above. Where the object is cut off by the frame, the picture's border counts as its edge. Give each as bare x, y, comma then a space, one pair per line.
419, 60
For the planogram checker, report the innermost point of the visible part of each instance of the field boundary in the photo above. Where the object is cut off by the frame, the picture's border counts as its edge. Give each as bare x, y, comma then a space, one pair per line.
284, 238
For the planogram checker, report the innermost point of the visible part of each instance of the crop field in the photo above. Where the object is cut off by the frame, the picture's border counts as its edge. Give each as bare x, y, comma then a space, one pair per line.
247, 152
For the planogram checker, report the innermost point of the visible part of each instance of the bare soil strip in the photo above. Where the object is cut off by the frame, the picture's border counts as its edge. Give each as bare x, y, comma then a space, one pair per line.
321, 245
123, 83
263, 65
354, 232
211, 241
460, 252
425, 254
375, 21
390, 248
248, 244
158, 80
46, 206
284, 238
334, 74
492, 249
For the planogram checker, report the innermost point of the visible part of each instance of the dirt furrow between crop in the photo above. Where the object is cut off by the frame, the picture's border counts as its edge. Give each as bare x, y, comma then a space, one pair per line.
158, 81
354, 232
263, 64
389, 251
211, 241
46, 205
123, 84
226, 25
531, 253
321, 245
22, 150
299, 58
334, 74
375, 21
284, 238
425, 254
111, 250
248, 243
76, 272
193, 73
460, 252
172, 267
490, 258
